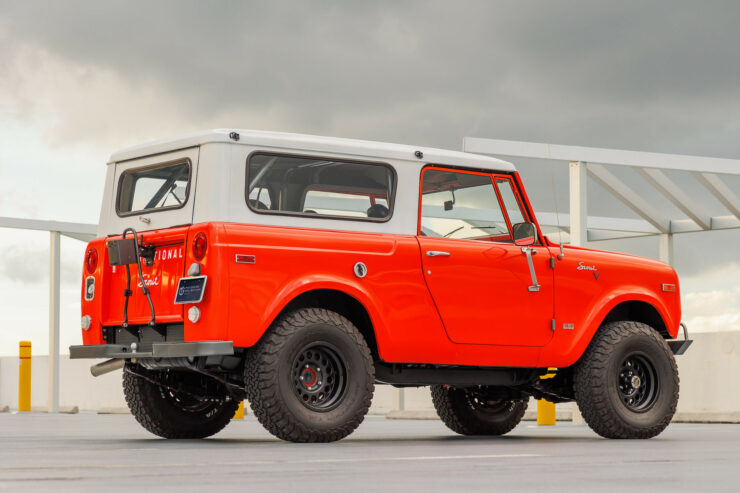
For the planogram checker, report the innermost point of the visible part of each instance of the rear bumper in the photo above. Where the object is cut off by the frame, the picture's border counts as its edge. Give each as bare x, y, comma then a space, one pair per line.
159, 350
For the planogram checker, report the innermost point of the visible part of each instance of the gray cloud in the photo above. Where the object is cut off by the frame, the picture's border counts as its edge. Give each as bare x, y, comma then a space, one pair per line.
31, 266
658, 76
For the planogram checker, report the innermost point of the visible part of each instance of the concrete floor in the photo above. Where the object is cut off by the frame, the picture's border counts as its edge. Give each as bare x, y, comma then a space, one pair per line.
112, 452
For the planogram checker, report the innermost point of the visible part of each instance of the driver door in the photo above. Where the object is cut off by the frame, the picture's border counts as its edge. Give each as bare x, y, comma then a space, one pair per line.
479, 280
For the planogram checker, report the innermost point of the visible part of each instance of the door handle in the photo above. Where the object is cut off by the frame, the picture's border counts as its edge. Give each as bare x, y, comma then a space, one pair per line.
437, 253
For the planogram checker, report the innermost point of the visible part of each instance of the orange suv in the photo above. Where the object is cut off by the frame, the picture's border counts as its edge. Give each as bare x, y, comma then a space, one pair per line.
298, 272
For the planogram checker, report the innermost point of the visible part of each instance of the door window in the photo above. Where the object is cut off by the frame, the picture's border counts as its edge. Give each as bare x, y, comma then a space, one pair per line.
461, 205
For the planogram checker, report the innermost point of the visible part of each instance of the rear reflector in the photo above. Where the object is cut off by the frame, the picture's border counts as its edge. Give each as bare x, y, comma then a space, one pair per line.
245, 259
669, 288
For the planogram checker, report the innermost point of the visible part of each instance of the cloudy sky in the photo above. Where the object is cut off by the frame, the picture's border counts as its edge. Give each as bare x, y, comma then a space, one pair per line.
79, 80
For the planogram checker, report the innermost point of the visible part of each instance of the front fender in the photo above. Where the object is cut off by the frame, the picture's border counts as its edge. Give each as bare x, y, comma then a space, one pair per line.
566, 346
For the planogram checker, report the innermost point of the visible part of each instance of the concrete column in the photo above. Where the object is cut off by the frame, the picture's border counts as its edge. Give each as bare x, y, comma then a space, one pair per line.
54, 259
400, 398
665, 248
578, 212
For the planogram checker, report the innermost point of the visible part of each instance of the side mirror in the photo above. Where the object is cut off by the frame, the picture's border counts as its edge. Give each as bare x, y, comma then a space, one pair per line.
525, 234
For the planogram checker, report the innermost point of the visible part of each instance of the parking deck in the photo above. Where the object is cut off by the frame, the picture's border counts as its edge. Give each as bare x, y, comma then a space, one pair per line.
112, 452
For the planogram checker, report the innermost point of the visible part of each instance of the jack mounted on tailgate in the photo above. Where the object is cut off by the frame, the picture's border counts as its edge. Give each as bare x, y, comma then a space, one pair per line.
126, 252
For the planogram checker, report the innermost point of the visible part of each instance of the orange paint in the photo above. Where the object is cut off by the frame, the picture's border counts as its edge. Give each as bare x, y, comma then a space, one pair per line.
471, 308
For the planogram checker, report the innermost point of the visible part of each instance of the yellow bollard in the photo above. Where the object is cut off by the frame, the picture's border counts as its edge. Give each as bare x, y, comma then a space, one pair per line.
239, 414
545, 408
24, 376
545, 412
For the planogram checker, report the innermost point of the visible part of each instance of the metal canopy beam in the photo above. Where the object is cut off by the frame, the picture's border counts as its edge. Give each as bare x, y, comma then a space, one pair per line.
720, 190
66, 228
601, 156
624, 193
670, 190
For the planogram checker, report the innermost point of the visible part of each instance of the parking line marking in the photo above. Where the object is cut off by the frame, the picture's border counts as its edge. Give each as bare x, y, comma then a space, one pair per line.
336, 460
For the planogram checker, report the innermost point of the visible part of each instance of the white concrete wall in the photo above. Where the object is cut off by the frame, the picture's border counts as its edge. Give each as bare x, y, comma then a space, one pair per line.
710, 379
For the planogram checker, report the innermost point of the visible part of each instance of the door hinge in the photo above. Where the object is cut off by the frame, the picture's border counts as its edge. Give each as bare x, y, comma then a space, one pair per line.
552, 262
552, 325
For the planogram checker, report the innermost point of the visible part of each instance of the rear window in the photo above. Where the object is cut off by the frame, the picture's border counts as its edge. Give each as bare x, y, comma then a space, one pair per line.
153, 188
319, 187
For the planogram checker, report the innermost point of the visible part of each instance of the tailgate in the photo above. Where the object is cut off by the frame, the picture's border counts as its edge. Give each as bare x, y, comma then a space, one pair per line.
161, 277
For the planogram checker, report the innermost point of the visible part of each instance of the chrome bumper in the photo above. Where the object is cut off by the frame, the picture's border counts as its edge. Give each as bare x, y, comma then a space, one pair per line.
159, 350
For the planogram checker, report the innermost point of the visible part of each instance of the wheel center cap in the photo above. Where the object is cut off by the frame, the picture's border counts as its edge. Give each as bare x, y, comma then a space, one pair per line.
636, 382
308, 377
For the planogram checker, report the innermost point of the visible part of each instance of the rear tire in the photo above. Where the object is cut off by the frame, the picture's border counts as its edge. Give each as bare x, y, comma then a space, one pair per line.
171, 414
311, 377
468, 411
626, 383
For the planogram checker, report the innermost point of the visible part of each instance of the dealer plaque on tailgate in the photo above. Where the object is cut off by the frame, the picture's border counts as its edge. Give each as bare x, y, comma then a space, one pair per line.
190, 289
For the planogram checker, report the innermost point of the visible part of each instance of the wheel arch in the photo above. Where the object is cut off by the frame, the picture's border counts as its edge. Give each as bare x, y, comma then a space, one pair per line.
341, 303
350, 301
637, 311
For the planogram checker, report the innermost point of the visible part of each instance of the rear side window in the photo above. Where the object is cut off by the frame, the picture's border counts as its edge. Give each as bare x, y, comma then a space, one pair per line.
153, 188
319, 187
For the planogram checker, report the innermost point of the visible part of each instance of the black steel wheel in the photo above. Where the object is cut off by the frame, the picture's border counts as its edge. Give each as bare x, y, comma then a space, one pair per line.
637, 383
319, 377
476, 410
311, 377
626, 383
177, 403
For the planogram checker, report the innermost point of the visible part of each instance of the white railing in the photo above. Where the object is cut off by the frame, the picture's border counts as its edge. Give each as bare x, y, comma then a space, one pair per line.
56, 229
591, 162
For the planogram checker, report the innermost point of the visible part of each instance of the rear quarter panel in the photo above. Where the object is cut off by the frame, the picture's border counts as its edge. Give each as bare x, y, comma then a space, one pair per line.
292, 261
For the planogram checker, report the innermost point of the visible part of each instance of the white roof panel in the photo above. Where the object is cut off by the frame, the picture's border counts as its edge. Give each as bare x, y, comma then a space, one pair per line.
300, 142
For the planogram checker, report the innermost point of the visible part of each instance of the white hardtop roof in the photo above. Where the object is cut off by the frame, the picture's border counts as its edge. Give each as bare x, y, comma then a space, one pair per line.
300, 142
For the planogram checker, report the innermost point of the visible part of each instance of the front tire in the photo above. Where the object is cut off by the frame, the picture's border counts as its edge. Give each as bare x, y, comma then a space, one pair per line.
202, 410
626, 383
475, 411
311, 377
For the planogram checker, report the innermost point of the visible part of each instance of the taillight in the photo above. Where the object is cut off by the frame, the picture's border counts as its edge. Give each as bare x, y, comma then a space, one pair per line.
200, 245
91, 260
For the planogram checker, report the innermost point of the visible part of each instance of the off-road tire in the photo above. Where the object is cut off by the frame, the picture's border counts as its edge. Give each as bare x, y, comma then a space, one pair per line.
597, 374
270, 377
155, 408
457, 408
